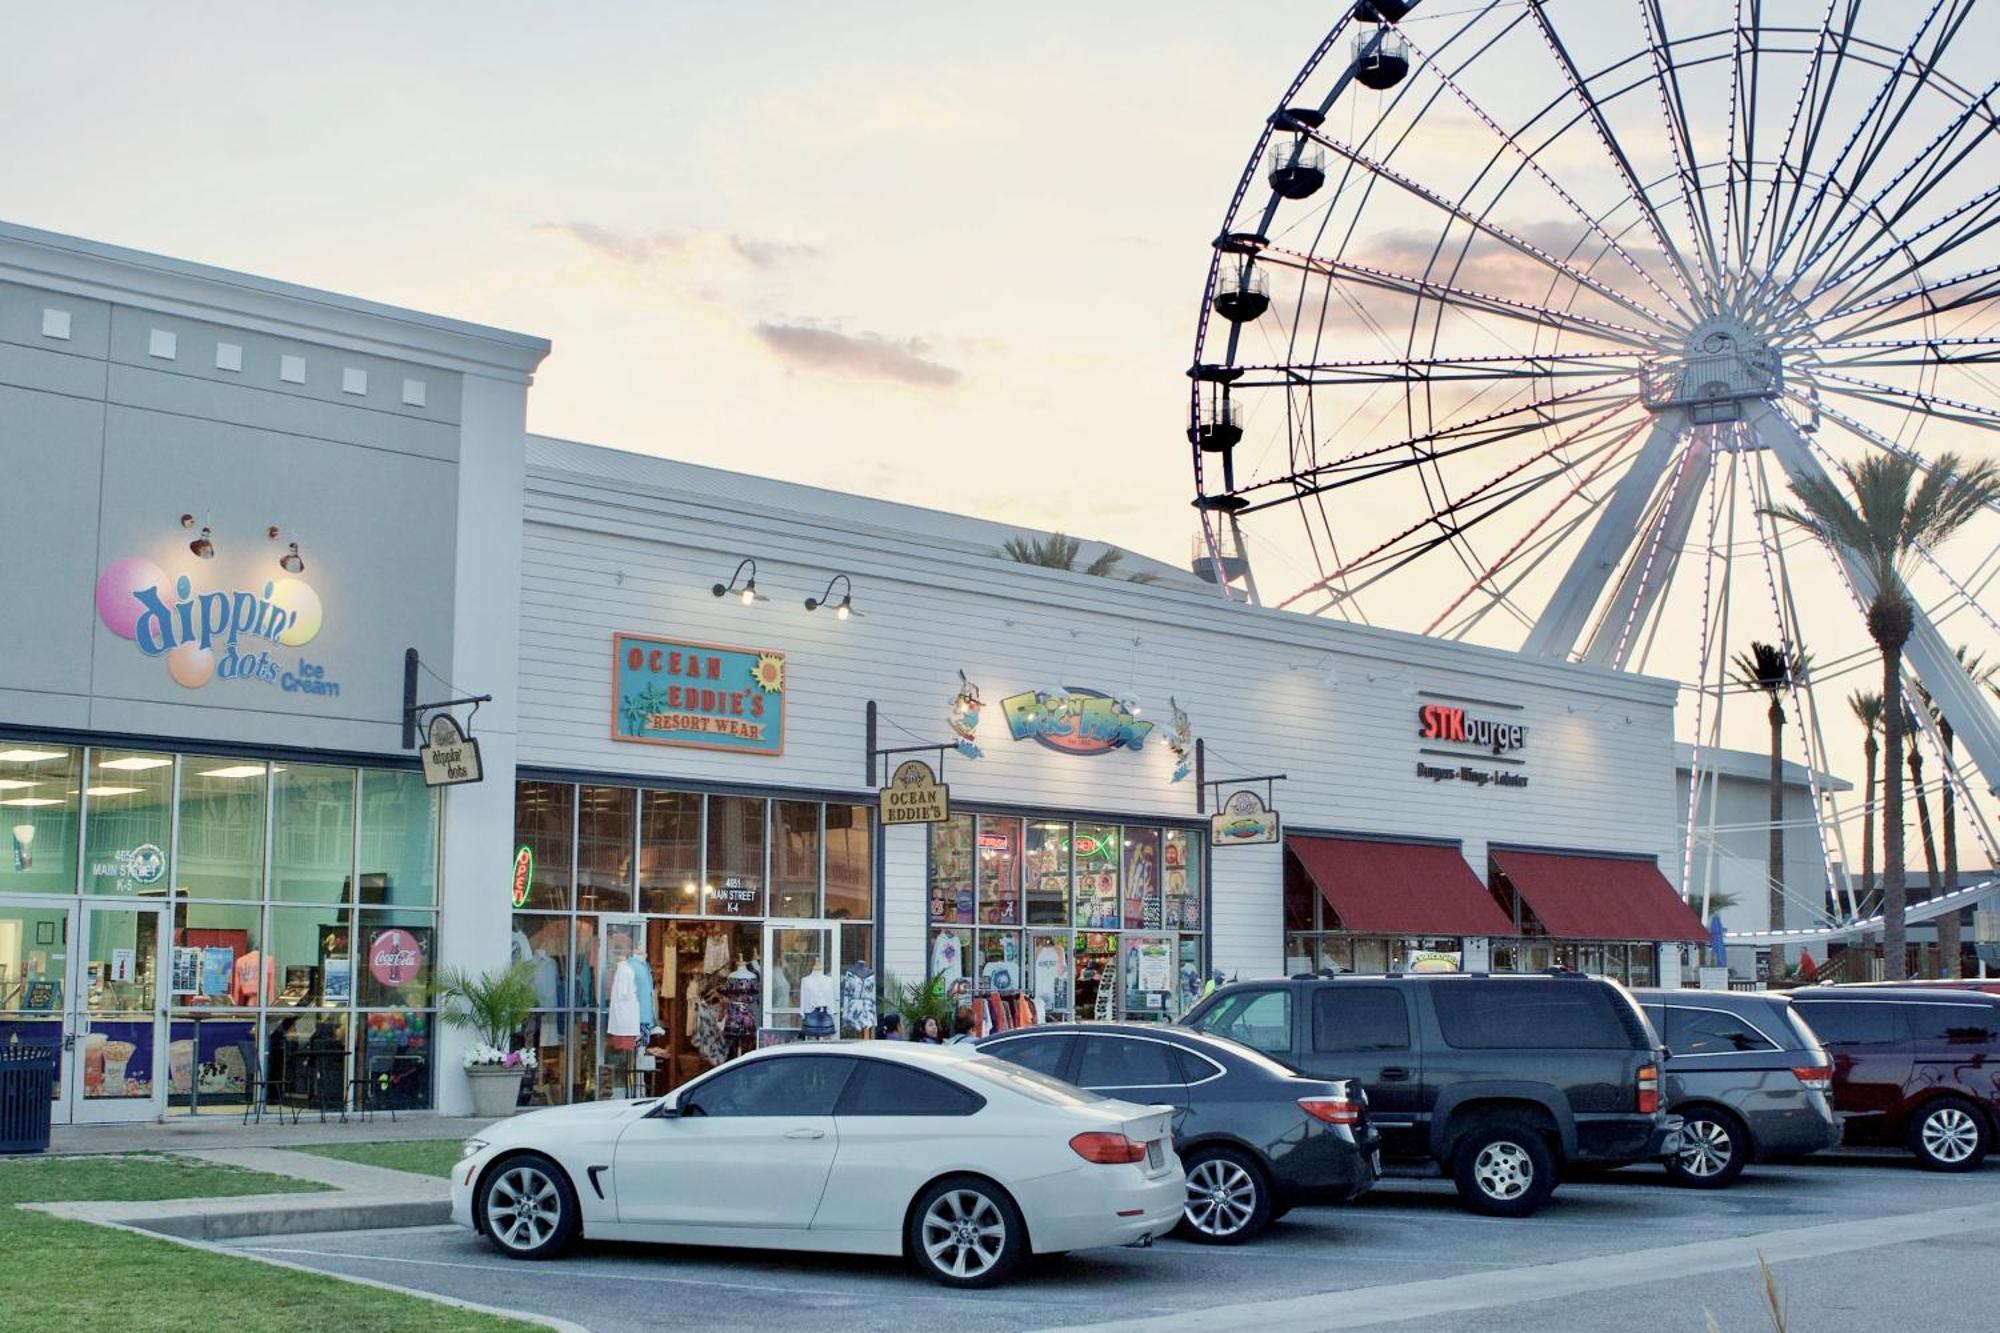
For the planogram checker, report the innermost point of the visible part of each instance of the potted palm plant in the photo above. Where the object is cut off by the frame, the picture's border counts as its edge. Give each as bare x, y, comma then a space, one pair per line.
492, 1006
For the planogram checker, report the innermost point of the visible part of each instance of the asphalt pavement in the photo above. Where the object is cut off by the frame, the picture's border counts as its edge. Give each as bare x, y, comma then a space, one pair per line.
1855, 1243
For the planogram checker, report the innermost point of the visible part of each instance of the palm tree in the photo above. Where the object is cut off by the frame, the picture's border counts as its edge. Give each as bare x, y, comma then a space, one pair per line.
1773, 670
1882, 519
1924, 828
1866, 705
1060, 551
1947, 925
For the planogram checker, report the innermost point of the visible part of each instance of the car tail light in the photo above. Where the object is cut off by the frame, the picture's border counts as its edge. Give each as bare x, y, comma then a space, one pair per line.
1107, 1149
1814, 1076
1332, 1110
1649, 1089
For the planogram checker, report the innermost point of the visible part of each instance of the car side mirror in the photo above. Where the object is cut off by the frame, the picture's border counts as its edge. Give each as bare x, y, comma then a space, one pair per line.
666, 1110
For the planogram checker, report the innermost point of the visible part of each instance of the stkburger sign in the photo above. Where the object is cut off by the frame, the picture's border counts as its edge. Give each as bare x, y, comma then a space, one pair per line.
1446, 722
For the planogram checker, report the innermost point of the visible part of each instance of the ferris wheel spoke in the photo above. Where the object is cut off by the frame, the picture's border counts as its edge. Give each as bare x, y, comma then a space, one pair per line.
1980, 212
1869, 119
1806, 84
1527, 158
1404, 284
1916, 400
1520, 244
1636, 193
1369, 464
1928, 352
1871, 436
1639, 589
1834, 245
1680, 142
1817, 95
1920, 302
1440, 369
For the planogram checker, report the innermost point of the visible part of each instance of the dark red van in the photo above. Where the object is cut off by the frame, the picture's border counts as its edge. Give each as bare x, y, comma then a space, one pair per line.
1914, 1066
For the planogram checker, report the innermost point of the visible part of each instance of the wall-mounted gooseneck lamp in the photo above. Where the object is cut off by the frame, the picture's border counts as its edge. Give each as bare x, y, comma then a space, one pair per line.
203, 545
291, 561
748, 592
841, 609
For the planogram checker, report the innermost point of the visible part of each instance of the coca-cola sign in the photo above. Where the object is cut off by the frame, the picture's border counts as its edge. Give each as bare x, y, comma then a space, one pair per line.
395, 957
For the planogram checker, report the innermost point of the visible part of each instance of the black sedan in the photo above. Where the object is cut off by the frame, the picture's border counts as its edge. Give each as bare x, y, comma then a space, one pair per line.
1256, 1139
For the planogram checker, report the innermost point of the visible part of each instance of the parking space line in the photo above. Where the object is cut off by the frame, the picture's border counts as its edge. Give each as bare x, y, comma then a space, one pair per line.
1357, 1307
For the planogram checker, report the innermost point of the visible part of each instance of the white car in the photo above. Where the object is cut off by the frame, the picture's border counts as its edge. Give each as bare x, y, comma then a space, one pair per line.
963, 1163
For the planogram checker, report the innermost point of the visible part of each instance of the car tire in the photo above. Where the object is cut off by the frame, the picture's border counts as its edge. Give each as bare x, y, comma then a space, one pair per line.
1503, 1167
1715, 1147
966, 1232
527, 1209
1228, 1198
1949, 1134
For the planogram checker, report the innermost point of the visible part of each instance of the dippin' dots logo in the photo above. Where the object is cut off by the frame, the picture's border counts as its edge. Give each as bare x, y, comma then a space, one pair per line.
214, 635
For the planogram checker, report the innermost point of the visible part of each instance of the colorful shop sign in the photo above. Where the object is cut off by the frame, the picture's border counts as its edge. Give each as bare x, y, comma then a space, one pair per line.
524, 874
217, 635
915, 796
699, 695
1243, 821
395, 957
1075, 721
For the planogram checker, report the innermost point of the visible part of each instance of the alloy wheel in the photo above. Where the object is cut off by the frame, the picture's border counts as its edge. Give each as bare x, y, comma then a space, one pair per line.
1950, 1134
1706, 1147
523, 1208
1221, 1197
964, 1233
1504, 1170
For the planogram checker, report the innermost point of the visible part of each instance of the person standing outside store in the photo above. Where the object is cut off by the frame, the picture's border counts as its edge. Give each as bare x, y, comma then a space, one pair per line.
929, 1033
961, 1030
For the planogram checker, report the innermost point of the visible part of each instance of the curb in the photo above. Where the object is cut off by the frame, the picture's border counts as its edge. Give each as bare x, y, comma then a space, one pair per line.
297, 1221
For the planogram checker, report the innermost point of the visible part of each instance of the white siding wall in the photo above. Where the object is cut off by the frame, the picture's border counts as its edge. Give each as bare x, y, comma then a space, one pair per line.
1331, 705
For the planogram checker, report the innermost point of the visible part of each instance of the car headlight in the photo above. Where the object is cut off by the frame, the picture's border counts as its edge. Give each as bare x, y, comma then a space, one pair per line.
472, 1148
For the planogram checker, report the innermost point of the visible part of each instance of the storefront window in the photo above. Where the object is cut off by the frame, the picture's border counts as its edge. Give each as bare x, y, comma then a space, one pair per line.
399, 827
1095, 849
670, 852
605, 848
129, 833
999, 871
735, 882
1182, 880
38, 813
795, 859
1141, 891
312, 948
1048, 874
544, 823
221, 853
397, 951
394, 1061
312, 833
850, 865
226, 966
951, 894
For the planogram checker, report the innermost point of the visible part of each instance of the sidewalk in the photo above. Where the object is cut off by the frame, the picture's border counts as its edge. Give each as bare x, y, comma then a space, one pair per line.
198, 1134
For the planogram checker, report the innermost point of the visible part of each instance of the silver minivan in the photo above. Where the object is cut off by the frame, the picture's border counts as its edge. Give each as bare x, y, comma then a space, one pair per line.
1746, 1075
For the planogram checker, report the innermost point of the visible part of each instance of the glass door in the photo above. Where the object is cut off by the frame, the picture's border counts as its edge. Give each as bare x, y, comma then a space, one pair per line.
801, 975
34, 981
625, 1005
118, 1013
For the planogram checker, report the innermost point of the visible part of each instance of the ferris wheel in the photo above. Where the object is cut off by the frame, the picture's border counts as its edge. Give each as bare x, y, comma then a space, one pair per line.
1524, 313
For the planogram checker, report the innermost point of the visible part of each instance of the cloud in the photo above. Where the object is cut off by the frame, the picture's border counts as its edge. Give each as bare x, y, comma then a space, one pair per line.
866, 355
646, 249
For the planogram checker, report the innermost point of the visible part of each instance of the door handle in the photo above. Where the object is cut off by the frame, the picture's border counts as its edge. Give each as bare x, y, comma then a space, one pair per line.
1395, 1074
805, 1133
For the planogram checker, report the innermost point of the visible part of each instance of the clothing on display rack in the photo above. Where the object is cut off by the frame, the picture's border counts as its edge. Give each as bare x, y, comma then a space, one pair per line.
948, 956
547, 980
520, 949
857, 998
715, 957
621, 1021
649, 1000
819, 996
742, 1006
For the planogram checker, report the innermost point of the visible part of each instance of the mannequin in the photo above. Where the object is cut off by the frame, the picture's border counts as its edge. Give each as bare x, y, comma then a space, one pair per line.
819, 996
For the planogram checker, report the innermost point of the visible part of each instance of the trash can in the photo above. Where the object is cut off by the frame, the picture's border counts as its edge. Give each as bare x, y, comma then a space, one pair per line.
27, 1092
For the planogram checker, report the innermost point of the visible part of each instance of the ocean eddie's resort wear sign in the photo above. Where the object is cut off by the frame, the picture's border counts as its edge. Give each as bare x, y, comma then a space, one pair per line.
698, 695
915, 796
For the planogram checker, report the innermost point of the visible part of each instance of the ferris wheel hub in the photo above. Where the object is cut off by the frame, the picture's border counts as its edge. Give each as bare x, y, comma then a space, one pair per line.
1723, 364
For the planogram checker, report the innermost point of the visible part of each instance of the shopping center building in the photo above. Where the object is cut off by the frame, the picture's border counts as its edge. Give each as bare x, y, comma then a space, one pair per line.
235, 507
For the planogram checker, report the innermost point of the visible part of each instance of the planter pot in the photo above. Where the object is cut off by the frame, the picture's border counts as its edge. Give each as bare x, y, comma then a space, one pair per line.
495, 1091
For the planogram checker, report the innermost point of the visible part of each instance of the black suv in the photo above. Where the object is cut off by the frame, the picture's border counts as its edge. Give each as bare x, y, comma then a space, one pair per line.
1500, 1080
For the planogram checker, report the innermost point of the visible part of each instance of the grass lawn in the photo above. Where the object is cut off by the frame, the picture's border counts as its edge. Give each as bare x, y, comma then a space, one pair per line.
425, 1157
77, 1275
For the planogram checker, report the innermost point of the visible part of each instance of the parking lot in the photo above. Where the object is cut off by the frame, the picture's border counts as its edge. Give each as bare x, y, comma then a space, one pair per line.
1856, 1243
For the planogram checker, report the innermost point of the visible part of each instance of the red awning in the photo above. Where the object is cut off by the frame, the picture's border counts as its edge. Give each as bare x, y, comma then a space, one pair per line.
1582, 897
1399, 888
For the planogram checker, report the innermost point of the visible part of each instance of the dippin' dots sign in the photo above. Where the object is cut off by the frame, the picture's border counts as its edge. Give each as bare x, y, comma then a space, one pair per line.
208, 636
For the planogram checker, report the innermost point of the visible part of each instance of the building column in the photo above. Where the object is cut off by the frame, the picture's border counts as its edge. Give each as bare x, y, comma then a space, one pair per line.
476, 912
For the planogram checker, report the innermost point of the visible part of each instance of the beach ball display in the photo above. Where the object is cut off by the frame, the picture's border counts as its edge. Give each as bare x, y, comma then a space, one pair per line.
117, 604
298, 597
191, 665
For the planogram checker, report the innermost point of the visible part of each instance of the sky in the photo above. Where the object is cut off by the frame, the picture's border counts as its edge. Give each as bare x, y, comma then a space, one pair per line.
946, 253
